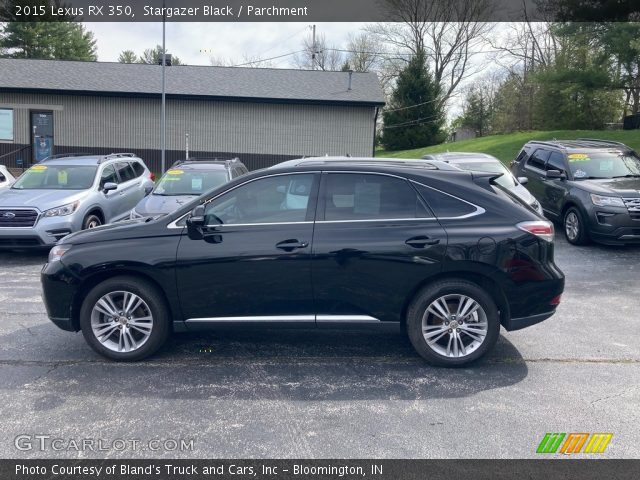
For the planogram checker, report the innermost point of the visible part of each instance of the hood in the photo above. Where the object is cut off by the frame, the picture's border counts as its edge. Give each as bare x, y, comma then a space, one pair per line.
119, 230
40, 199
523, 194
162, 204
624, 187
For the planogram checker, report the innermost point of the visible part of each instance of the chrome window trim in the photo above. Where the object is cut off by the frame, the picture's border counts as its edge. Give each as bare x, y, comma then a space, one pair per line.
346, 319
414, 219
479, 209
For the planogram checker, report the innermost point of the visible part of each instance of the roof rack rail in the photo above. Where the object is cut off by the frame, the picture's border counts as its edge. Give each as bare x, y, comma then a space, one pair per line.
607, 142
120, 155
66, 155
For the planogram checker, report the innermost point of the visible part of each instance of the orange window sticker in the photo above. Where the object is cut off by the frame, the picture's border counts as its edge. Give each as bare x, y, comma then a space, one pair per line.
175, 172
38, 168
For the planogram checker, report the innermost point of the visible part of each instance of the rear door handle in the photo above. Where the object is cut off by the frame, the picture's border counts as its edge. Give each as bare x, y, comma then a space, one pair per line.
421, 241
291, 245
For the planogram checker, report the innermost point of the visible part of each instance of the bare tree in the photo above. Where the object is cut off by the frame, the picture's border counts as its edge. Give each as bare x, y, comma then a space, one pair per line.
449, 32
318, 56
363, 52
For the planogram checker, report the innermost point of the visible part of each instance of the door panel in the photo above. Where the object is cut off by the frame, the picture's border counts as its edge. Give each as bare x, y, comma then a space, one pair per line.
534, 170
376, 244
255, 258
554, 190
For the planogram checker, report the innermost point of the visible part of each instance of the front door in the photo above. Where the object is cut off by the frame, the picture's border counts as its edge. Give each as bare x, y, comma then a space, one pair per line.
374, 241
555, 189
254, 262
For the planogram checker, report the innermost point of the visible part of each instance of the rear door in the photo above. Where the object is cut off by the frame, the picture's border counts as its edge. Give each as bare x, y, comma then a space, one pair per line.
534, 170
130, 188
112, 202
374, 241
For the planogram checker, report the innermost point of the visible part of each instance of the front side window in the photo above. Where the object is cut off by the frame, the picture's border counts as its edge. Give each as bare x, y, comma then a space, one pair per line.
604, 164
354, 196
277, 199
556, 162
57, 177
108, 176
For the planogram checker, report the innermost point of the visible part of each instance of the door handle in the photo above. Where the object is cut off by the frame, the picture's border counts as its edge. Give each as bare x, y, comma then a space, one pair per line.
421, 241
291, 245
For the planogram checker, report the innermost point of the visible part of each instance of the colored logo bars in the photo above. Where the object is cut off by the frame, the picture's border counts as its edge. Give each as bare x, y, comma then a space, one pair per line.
573, 443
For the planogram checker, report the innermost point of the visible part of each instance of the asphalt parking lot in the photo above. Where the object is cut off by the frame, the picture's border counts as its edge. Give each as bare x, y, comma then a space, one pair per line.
300, 394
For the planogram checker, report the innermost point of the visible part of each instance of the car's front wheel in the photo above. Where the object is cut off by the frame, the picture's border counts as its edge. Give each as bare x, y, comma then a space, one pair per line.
575, 227
453, 323
91, 221
124, 319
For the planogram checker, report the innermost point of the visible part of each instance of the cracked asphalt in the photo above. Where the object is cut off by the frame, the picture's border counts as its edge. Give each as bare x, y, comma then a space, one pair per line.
302, 394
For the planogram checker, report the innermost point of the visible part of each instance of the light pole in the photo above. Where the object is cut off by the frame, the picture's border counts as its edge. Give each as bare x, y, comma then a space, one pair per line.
163, 120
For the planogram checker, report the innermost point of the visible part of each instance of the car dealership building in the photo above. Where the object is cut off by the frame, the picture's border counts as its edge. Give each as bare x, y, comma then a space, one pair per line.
262, 116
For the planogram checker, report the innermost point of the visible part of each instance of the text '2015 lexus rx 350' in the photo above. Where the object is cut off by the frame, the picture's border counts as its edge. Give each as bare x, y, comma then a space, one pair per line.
448, 256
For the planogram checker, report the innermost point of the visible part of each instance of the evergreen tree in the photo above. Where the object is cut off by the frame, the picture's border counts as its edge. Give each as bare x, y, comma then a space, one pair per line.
127, 56
414, 118
153, 56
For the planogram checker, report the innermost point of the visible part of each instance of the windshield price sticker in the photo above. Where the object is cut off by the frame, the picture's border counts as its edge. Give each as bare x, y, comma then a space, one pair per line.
175, 172
578, 157
38, 168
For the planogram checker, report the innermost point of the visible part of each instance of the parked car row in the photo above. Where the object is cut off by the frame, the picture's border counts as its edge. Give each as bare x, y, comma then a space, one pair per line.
69, 193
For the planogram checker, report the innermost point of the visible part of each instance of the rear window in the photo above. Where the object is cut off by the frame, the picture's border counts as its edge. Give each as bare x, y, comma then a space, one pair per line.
444, 205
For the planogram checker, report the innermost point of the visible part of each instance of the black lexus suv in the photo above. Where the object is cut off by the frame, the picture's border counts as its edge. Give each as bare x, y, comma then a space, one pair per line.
446, 255
591, 186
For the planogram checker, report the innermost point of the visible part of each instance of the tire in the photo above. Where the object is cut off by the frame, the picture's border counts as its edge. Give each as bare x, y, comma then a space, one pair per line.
147, 335
472, 339
91, 221
574, 227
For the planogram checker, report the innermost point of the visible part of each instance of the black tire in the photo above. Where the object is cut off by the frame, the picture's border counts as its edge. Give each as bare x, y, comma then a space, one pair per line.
91, 221
423, 300
153, 299
571, 216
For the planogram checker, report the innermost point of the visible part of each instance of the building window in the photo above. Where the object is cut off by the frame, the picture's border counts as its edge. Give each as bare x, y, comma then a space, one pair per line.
6, 125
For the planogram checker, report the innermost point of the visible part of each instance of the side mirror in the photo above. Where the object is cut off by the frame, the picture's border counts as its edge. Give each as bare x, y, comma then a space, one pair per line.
148, 189
554, 175
196, 219
523, 180
109, 186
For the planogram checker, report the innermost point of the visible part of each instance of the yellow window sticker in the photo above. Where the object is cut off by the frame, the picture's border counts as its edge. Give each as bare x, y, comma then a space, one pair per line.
62, 177
578, 157
175, 172
38, 168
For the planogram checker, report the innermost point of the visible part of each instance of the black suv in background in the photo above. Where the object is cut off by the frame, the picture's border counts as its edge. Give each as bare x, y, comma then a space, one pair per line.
447, 255
591, 186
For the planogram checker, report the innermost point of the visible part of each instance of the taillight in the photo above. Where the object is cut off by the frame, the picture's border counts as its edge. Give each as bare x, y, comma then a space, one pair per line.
555, 300
152, 176
539, 228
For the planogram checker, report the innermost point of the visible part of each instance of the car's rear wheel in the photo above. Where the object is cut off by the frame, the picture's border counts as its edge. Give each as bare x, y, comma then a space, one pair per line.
91, 221
125, 319
453, 323
575, 227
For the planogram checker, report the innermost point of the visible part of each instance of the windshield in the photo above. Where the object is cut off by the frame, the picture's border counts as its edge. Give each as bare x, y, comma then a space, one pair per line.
189, 182
610, 164
506, 180
57, 177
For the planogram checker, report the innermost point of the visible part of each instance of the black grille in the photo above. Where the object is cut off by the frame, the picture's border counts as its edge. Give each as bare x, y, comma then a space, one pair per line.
18, 218
633, 205
20, 242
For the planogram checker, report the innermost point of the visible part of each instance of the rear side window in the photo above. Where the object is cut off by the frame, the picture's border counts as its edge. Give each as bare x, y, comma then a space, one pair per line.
538, 159
444, 205
353, 196
137, 168
125, 171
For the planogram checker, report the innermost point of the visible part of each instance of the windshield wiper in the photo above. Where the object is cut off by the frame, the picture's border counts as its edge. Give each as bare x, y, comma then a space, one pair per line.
629, 175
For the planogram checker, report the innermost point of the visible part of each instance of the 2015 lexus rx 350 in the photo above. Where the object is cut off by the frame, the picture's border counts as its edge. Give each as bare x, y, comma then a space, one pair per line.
447, 256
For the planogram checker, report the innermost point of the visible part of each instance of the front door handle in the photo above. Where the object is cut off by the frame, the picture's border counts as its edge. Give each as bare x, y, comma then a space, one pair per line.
291, 245
421, 241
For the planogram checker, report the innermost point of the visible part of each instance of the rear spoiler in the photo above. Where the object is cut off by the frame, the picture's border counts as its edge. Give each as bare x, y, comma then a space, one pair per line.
485, 180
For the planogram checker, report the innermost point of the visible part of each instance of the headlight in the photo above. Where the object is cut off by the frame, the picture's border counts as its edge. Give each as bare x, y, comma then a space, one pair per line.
57, 252
603, 201
67, 209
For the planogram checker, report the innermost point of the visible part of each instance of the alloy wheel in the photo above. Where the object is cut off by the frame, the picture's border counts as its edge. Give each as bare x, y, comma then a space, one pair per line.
454, 325
121, 321
572, 225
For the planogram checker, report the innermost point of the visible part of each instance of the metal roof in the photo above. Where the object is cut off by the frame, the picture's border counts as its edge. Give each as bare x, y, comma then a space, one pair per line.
248, 84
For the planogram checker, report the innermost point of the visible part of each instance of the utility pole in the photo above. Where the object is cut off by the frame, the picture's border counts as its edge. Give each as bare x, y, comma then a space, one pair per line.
313, 49
163, 121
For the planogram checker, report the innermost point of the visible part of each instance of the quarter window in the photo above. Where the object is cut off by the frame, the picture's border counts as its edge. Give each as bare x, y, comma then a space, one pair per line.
538, 159
443, 205
354, 196
278, 199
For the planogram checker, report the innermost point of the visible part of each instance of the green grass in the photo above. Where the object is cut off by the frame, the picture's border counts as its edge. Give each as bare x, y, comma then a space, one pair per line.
506, 147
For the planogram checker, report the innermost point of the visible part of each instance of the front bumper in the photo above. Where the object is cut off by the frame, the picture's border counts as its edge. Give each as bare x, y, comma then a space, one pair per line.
45, 233
59, 287
613, 226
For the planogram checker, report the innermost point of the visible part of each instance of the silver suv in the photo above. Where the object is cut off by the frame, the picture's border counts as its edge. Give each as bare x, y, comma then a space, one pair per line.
65, 194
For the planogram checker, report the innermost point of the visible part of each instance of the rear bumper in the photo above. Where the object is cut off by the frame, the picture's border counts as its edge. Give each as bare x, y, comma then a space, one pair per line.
58, 289
524, 322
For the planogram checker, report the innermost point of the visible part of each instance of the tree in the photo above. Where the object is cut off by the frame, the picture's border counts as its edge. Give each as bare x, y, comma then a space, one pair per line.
153, 56
318, 56
414, 118
47, 40
363, 52
127, 56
